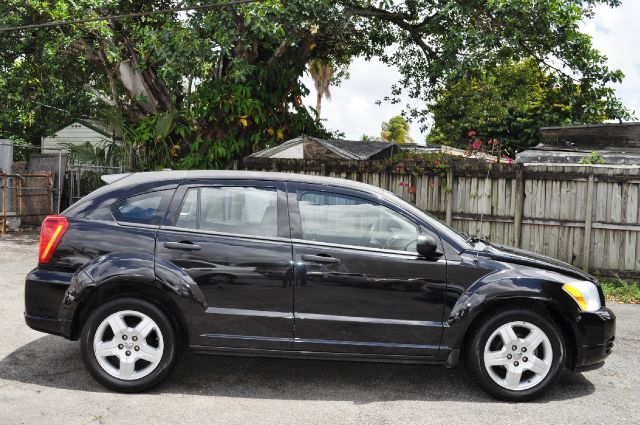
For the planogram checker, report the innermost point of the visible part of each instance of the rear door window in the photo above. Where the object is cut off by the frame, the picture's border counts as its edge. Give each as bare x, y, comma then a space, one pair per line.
241, 210
148, 208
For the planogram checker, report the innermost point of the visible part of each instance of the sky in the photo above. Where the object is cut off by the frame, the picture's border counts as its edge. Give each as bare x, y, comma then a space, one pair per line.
353, 110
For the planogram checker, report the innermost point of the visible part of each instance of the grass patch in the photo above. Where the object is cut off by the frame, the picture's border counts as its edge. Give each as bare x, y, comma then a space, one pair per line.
620, 290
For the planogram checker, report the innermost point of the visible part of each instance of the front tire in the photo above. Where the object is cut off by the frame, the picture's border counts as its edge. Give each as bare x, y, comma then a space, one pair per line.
516, 354
128, 345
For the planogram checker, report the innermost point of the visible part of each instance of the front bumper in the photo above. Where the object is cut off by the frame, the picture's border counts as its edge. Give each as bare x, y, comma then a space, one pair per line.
596, 335
43, 295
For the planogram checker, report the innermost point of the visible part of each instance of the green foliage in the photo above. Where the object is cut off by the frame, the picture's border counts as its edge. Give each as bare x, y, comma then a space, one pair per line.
594, 158
396, 130
198, 88
22, 150
513, 100
620, 290
90, 181
416, 163
106, 154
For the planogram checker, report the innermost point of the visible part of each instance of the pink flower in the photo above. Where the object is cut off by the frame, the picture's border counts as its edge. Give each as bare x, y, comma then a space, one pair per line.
437, 163
411, 190
490, 142
403, 184
471, 133
507, 158
477, 144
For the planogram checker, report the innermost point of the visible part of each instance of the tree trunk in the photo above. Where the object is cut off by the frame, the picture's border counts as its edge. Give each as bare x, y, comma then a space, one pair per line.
318, 105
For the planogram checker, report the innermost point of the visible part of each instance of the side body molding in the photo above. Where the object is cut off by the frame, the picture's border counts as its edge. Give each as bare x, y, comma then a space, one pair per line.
136, 269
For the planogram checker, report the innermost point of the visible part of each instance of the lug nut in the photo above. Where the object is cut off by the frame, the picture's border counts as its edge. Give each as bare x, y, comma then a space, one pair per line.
514, 348
125, 338
514, 363
120, 346
138, 349
135, 338
509, 356
524, 359
524, 349
128, 353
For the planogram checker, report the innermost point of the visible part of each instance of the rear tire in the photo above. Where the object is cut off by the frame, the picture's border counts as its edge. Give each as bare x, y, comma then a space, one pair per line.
128, 345
516, 354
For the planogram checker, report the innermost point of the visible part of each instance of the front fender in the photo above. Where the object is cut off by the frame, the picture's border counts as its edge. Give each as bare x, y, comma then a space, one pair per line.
131, 268
503, 288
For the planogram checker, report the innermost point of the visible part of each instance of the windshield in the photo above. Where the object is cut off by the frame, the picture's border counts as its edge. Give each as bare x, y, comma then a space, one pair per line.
461, 239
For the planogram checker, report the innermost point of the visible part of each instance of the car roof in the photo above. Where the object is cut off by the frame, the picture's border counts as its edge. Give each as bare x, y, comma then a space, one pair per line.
134, 179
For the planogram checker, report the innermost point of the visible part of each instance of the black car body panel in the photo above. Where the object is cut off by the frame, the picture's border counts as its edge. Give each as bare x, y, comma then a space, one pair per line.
281, 294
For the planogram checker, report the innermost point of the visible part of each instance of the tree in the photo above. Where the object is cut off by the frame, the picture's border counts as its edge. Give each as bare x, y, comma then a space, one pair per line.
512, 101
396, 130
208, 85
321, 72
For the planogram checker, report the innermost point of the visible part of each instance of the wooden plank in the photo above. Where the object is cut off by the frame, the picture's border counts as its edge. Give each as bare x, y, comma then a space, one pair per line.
449, 210
519, 205
586, 250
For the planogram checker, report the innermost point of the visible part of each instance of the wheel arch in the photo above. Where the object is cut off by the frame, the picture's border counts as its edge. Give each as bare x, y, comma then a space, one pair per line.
537, 304
122, 288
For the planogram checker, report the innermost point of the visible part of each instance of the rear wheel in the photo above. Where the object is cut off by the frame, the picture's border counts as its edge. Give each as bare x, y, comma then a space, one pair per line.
516, 354
128, 345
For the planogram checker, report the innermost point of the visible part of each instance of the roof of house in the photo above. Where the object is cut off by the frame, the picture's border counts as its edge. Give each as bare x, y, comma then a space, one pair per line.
98, 126
615, 143
347, 149
609, 136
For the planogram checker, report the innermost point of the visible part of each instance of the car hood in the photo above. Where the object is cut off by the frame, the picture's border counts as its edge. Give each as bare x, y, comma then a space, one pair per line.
520, 256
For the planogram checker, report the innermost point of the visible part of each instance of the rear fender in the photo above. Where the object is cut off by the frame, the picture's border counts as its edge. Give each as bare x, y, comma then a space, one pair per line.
137, 269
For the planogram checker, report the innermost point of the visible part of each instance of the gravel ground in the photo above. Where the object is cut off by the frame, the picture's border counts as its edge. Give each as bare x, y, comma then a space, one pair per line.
43, 380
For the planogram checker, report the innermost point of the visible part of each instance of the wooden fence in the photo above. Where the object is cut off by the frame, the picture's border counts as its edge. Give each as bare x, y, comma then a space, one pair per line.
585, 215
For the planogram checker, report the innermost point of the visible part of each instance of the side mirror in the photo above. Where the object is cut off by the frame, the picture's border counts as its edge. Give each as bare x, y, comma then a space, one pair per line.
427, 246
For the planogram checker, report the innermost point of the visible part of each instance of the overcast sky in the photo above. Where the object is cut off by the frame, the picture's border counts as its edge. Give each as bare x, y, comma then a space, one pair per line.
352, 108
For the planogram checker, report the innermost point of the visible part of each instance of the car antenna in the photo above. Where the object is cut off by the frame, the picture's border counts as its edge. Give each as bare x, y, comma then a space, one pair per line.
479, 229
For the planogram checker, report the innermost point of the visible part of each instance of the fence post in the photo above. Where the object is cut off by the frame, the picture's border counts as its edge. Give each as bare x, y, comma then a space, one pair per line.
449, 216
274, 165
5, 180
586, 247
519, 206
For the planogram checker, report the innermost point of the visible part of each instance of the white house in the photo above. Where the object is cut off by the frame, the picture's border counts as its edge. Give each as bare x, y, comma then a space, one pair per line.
78, 132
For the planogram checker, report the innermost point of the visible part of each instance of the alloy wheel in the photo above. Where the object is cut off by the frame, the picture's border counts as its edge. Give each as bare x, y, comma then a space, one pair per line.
518, 355
128, 345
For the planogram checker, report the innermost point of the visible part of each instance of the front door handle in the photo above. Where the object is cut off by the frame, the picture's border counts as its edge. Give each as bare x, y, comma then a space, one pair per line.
326, 259
183, 245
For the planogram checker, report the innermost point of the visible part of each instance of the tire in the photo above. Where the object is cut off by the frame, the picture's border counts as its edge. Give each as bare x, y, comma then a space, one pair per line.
527, 365
128, 345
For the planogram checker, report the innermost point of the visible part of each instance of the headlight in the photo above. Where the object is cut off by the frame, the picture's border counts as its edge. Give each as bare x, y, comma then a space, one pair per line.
584, 293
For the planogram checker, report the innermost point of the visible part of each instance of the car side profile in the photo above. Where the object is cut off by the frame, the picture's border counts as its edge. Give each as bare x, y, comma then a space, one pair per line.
286, 265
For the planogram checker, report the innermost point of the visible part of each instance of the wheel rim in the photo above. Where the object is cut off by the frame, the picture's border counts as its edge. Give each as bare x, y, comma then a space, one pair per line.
128, 345
518, 355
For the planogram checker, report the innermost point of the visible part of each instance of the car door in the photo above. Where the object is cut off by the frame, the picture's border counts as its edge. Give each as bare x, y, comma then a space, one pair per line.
360, 286
232, 238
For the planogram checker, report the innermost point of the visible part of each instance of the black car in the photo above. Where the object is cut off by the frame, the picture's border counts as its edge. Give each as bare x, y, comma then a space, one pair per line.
272, 264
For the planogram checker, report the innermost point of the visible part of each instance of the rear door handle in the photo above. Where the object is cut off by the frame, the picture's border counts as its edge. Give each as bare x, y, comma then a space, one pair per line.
184, 245
320, 259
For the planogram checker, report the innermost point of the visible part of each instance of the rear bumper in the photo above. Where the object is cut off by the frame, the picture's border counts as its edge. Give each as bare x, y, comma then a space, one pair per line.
49, 325
44, 296
597, 332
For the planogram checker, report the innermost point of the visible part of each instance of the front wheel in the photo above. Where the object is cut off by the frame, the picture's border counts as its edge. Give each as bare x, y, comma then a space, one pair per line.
516, 354
128, 345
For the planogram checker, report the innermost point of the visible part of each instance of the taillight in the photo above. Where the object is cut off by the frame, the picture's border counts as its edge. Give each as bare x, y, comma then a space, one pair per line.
53, 227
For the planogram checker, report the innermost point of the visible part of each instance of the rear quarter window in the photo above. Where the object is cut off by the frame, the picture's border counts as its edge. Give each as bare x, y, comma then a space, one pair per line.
147, 208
